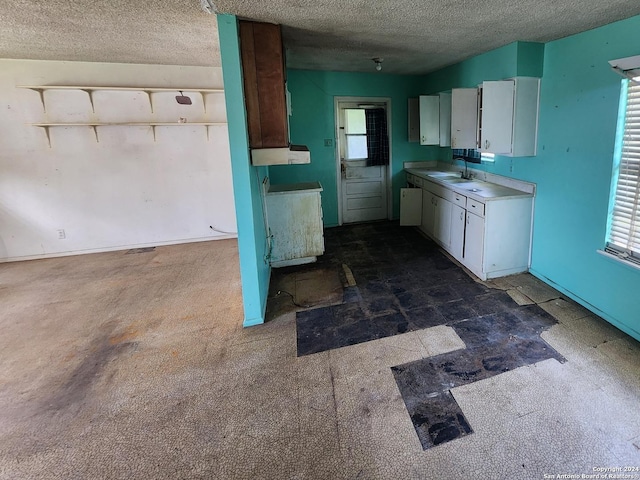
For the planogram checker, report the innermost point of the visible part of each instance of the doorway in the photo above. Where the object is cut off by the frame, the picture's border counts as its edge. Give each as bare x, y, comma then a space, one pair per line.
363, 159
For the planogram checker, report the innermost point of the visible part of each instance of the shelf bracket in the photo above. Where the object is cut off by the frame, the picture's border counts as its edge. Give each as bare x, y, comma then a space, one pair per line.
204, 104
153, 128
41, 94
148, 92
207, 127
95, 132
47, 133
90, 93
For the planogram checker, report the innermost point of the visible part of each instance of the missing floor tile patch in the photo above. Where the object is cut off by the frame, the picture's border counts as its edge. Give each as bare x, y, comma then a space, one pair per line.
496, 344
140, 250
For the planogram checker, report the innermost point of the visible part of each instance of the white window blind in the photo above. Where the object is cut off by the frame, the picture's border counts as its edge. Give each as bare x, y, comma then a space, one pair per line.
624, 234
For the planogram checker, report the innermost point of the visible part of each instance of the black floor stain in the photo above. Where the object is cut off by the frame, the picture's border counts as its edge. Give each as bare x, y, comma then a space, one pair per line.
140, 250
405, 283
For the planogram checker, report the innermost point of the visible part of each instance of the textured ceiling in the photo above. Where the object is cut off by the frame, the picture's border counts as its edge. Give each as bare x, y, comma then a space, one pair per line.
419, 36
413, 36
171, 32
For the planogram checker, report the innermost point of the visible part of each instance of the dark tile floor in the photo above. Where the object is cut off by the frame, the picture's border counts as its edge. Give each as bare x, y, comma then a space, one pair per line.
403, 282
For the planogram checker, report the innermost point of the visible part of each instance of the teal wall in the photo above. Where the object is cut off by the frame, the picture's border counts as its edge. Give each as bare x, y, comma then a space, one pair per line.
313, 120
577, 132
254, 269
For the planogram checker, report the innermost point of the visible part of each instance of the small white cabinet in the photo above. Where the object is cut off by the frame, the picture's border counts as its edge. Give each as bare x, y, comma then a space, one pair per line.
464, 117
294, 218
429, 119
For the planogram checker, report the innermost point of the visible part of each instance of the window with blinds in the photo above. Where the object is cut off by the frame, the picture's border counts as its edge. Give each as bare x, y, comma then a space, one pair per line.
624, 231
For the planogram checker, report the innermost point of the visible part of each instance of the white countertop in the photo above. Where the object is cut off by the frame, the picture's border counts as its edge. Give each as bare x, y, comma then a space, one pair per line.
306, 187
476, 189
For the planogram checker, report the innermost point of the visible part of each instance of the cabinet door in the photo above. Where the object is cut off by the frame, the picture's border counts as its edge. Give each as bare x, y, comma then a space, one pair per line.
428, 213
429, 120
497, 116
442, 221
457, 231
474, 244
410, 206
445, 119
464, 117
264, 77
414, 120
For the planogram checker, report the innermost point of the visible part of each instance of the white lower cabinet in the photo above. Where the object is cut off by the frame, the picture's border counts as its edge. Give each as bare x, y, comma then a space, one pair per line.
410, 206
442, 221
491, 238
428, 213
458, 219
474, 244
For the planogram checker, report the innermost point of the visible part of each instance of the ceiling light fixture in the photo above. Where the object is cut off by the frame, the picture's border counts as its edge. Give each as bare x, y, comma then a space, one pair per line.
378, 62
208, 6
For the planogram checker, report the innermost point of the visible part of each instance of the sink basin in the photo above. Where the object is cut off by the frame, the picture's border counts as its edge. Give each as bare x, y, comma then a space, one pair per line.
441, 174
454, 180
473, 190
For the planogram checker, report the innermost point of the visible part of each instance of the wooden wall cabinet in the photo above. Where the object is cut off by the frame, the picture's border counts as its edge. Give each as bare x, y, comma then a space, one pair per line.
263, 69
264, 91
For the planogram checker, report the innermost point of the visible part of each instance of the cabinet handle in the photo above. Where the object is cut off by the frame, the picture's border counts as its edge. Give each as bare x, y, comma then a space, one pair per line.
461, 215
467, 220
486, 144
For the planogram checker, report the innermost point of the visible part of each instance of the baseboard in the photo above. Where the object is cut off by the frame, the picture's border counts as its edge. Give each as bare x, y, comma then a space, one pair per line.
605, 316
115, 248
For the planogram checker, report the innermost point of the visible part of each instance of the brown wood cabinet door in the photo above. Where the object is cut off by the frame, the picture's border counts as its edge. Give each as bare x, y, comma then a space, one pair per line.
264, 76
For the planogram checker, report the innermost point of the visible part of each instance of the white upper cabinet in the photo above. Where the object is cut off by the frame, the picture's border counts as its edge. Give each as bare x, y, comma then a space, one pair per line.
496, 117
429, 120
445, 119
464, 117
508, 114
414, 120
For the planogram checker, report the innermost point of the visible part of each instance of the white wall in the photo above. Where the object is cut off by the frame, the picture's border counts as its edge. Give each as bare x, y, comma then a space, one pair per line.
125, 190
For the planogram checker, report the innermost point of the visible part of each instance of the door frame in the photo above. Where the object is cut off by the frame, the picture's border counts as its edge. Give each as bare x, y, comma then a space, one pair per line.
336, 108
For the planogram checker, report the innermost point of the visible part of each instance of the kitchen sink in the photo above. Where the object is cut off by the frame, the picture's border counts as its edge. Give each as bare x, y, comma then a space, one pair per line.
440, 174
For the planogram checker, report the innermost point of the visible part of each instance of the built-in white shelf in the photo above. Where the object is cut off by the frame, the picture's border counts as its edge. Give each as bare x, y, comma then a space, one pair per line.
94, 125
148, 90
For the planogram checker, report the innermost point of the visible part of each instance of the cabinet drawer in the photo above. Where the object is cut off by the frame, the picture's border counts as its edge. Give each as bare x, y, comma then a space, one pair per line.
459, 200
417, 181
410, 179
475, 207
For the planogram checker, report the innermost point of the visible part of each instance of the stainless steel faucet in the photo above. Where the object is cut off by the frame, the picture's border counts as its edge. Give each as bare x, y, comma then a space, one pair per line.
465, 173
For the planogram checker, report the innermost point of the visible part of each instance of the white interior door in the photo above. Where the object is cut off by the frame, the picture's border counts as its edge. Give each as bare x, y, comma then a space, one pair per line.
364, 192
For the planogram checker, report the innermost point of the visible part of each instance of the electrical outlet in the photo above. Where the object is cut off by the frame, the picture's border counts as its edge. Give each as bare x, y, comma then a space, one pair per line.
328, 142
61, 234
